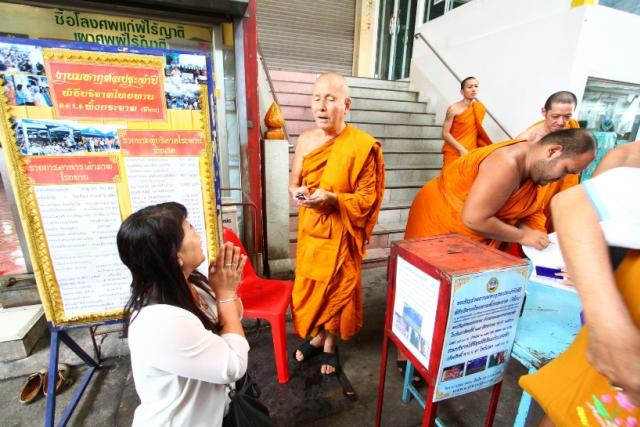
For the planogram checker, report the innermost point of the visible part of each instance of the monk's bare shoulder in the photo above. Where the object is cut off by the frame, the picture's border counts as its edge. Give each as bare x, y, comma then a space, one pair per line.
533, 134
455, 109
504, 165
308, 141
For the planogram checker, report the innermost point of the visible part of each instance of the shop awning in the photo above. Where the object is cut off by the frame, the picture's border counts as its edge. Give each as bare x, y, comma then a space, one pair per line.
192, 11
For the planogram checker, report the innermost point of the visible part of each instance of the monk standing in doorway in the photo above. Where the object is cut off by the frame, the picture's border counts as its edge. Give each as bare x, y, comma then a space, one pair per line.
337, 179
462, 129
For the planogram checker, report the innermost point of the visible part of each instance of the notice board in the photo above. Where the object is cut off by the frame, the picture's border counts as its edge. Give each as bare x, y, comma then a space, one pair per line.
91, 134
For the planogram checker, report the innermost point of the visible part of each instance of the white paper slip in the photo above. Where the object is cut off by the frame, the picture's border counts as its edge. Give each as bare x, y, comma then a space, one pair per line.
549, 257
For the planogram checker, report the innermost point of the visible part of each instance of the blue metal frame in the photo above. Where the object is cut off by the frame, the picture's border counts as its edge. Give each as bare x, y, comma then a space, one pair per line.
59, 333
409, 391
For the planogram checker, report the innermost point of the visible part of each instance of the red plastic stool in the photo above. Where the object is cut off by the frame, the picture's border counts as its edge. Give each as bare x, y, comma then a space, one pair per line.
266, 299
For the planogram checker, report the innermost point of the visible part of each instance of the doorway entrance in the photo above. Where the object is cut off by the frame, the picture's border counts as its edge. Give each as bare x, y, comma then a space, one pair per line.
395, 38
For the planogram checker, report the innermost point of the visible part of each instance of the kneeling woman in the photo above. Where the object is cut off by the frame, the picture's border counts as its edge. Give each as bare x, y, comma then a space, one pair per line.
185, 335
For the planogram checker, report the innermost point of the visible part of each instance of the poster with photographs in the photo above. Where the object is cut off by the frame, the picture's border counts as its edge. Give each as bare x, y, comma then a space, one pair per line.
481, 329
90, 136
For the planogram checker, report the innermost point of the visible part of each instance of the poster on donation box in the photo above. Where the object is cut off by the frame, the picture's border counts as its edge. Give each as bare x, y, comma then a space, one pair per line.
414, 309
91, 134
481, 329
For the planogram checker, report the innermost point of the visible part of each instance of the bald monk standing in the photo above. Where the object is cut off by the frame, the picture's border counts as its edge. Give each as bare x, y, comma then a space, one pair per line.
462, 129
337, 179
490, 195
557, 112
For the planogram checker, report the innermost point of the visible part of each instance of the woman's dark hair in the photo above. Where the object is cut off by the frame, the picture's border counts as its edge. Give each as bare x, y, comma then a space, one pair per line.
148, 244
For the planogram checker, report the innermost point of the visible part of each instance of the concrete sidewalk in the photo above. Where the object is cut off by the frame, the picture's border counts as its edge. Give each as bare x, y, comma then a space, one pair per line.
307, 399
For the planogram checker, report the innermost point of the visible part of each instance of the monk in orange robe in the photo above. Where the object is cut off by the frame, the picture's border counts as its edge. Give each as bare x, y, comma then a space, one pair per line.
596, 381
557, 111
337, 179
490, 195
462, 129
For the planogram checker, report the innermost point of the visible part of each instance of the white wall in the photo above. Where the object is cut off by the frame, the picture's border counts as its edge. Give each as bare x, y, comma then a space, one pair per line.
522, 51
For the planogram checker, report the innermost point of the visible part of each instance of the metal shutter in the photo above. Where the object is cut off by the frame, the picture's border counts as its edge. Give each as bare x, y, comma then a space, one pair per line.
307, 35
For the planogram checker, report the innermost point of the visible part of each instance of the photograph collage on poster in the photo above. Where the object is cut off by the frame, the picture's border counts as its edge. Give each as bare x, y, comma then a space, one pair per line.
185, 75
23, 72
473, 366
59, 137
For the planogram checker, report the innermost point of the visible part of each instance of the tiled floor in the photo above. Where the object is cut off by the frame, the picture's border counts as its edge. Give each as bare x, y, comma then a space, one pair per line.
11, 259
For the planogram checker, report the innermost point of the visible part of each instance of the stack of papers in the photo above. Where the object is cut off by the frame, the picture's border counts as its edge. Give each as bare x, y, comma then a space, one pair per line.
546, 262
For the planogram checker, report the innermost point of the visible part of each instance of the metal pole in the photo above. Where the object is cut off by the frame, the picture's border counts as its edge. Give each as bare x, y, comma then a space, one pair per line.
453, 73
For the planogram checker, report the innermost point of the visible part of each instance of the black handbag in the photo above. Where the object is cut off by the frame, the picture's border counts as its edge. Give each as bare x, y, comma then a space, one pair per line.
245, 409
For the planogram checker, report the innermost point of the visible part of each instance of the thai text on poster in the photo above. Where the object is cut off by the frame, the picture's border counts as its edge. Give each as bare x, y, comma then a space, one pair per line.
481, 328
82, 90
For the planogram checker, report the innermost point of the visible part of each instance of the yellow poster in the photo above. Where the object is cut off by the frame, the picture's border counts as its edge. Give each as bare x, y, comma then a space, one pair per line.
78, 170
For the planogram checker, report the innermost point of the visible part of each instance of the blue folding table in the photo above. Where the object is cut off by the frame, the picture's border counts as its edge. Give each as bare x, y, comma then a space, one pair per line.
549, 323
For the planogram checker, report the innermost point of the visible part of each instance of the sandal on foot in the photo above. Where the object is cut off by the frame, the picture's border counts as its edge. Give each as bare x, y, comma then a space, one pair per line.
416, 381
63, 377
331, 359
308, 350
31, 388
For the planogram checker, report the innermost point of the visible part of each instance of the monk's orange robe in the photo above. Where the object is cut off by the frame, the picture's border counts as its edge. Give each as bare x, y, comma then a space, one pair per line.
546, 192
467, 130
327, 293
574, 405
437, 209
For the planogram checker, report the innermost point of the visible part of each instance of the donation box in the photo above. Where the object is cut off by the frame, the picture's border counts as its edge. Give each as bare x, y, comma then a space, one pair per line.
453, 308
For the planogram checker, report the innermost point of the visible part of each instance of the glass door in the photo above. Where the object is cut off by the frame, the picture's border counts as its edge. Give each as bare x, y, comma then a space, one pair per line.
395, 38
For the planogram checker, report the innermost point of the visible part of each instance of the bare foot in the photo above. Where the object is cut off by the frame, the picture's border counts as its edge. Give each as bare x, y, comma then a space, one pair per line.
317, 341
329, 347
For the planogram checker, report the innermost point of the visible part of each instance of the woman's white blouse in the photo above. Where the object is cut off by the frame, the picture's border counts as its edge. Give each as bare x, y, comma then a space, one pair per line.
180, 369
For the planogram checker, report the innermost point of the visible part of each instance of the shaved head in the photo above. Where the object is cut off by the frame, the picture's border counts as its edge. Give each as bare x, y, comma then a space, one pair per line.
330, 102
336, 80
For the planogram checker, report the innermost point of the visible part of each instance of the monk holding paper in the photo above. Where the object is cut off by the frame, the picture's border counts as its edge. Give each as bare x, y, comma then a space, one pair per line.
337, 179
462, 129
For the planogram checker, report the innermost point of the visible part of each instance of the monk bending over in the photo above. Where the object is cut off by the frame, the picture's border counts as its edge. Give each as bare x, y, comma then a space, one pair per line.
490, 195
557, 112
337, 179
462, 129
596, 381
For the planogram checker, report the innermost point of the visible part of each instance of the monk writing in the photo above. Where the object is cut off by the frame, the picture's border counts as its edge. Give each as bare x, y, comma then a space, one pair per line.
490, 195
557, 112
337, 179
462, 129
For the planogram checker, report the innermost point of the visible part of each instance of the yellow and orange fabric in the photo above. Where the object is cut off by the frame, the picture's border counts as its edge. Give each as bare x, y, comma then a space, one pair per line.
467, 130
327, 294
591, 400
437, 209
